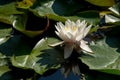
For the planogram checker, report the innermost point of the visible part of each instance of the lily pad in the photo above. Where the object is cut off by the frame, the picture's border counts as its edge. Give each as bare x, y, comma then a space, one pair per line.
4, 69
5, 31
106, 3
8, 19
9, 8
41, 58
20, 24
60, 10
115, 9
105, 57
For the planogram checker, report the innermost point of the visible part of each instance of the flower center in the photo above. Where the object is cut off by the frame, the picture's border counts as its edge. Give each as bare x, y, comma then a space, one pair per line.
74, 28
67, 28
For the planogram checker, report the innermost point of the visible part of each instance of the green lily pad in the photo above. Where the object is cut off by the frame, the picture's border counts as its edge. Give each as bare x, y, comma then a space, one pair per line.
5, 31
114, 17
106, 3
9, 8
90, 16
20, 25
3, 65
105, 58
5, 34
4, 69
110, 19
94, 75
8, 19
115, 9
41, 58
60, 10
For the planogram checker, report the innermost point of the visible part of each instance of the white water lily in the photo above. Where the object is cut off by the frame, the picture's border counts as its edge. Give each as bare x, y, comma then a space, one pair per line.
73, 34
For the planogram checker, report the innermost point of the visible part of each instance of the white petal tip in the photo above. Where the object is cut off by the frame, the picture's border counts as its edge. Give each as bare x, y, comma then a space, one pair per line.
56, 44
90, 51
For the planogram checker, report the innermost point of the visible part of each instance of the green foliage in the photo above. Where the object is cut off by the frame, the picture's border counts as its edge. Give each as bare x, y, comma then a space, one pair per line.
105, 58
106, 3
41, 58
27, 28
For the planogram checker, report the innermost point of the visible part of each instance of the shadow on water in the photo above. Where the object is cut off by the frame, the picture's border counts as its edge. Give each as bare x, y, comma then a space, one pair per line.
114, 42
6, 76
18, 74
58, 76
50, 58
65, 7
16, 45
72, 7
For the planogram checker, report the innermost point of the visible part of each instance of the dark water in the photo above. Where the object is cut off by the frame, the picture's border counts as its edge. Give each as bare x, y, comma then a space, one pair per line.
58, 76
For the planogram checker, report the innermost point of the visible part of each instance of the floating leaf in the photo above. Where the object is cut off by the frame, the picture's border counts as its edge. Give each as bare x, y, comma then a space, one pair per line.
8, 19
105, 58
109, 19
50, 9
9, 8
115, 9
20, 24
3, 70
5, 31
41, 58
106, 3
94, 75
114, 17
90, 16
58, 7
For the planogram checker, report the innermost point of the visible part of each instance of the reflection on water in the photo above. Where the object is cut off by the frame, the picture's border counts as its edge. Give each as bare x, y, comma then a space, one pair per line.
58, 76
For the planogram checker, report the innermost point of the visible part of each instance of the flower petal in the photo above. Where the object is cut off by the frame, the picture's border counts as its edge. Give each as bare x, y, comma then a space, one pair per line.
82, 28
68, 50
58, 28
78, 22
56, 44
68, 23
85, 47
61, 26
82, 24
79, 37
87, 30
81, 31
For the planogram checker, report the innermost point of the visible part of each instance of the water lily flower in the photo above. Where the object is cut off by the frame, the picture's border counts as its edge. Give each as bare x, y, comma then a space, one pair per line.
73, 34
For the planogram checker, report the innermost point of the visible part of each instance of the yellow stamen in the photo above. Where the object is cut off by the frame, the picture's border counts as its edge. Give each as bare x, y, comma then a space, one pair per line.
67, 28
74, 28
